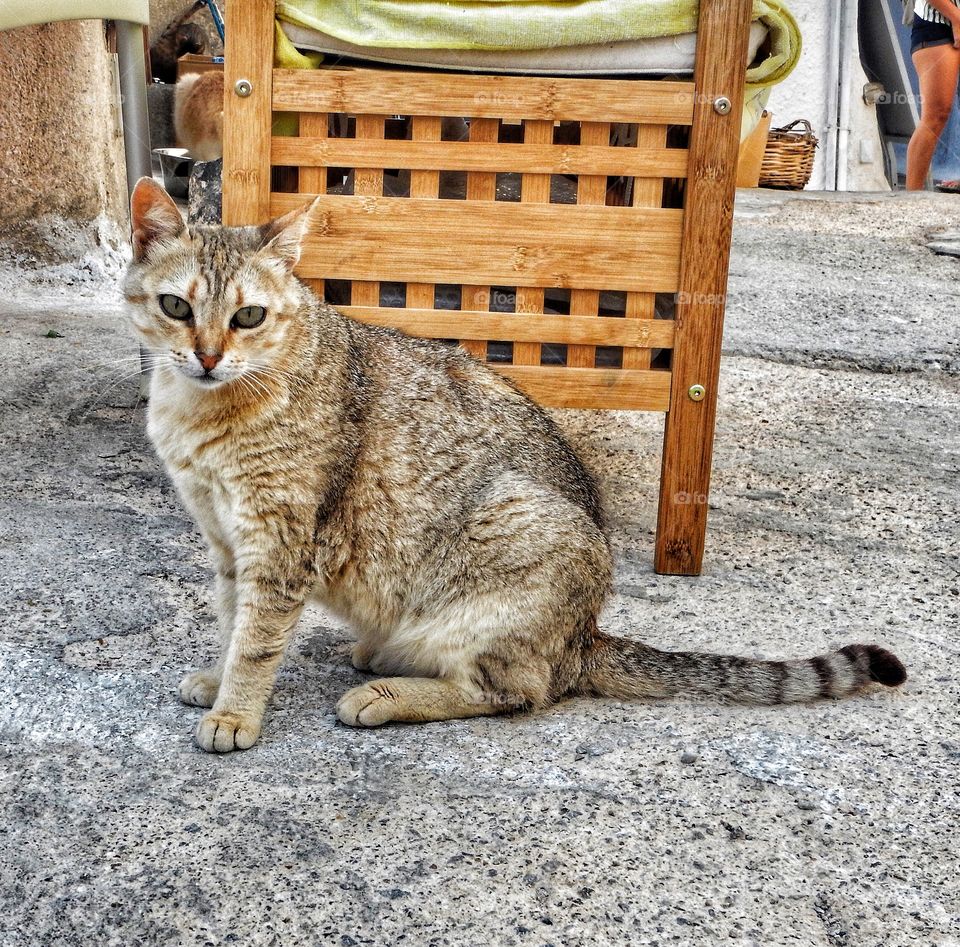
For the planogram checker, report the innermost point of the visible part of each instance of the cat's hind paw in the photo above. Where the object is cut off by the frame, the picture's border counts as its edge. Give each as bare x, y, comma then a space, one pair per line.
200, 688
360, 656
221, 731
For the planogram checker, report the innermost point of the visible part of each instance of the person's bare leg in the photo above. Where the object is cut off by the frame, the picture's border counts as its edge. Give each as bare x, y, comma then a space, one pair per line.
937, 68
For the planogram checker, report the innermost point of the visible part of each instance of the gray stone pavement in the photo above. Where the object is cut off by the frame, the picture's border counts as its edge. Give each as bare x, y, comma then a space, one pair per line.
833, 519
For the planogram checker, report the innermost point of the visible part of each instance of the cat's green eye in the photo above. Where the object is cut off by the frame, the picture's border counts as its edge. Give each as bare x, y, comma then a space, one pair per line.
175, 307
249, 317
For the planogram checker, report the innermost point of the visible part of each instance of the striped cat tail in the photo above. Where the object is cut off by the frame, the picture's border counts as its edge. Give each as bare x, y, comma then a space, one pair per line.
617, 667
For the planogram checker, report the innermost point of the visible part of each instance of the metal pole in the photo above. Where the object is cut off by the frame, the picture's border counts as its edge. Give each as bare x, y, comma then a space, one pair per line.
132, 66
133, 101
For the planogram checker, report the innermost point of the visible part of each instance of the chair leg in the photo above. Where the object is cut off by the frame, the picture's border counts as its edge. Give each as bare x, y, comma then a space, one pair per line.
722, 31
684, 489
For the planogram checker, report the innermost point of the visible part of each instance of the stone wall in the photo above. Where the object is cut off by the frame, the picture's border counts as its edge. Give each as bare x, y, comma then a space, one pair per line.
60, 138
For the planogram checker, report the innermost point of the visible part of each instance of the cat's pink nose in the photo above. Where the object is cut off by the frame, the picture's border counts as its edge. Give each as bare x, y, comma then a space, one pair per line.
208, 359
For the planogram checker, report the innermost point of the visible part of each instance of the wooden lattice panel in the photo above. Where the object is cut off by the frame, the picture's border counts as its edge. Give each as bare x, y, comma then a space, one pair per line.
525, 218
417, 222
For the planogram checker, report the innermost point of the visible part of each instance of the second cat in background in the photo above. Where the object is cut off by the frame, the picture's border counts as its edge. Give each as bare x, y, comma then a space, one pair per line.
198, 114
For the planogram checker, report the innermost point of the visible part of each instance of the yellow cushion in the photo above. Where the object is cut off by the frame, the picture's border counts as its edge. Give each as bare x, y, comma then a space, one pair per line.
14, 13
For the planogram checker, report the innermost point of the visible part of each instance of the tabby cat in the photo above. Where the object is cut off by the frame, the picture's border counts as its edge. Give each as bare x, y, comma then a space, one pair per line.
404, 485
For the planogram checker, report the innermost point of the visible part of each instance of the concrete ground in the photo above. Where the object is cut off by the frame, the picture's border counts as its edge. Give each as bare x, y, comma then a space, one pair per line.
833, 519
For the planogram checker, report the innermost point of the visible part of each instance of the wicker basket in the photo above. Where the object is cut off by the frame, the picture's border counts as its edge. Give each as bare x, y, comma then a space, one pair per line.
788, 158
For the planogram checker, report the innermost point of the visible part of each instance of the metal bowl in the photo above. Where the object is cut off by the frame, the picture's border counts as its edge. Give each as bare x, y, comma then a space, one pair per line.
175, 165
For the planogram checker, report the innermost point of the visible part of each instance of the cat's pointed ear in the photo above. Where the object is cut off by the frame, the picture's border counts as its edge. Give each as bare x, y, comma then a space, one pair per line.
153, 216
282, 238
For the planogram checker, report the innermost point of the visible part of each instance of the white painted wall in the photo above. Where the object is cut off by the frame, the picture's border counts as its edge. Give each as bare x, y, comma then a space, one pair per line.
807, 92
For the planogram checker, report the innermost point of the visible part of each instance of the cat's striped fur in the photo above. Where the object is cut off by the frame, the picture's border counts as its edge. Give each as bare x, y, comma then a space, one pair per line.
631, 669
403, 484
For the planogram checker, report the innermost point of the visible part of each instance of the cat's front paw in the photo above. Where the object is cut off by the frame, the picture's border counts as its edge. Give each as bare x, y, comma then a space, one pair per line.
368, 705
221, 731
200, 688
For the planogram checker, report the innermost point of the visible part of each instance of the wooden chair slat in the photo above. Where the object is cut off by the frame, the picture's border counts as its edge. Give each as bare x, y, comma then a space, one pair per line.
423, 183
491, 243
481, 186
647, 192
408, 92
469, 325
591, 189
477, 155
367, 182
313, 179
592, 387
534, 189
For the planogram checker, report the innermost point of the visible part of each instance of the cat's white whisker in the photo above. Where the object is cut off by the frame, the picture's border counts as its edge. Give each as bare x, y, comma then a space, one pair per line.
254, 384
248, 386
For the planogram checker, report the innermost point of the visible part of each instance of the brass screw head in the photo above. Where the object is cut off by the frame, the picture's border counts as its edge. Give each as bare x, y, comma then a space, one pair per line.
243, 87
697, 392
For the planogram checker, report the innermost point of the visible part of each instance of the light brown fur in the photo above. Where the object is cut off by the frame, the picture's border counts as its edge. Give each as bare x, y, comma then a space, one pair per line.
198, 114
403, 484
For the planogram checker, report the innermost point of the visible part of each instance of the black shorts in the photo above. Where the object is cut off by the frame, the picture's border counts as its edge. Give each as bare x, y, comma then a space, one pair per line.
926, 33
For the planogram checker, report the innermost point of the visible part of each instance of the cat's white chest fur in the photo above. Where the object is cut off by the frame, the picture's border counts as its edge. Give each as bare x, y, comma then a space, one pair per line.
200, 462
